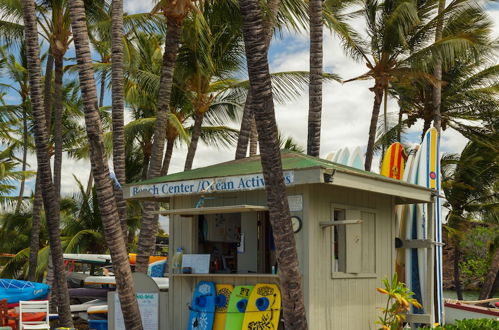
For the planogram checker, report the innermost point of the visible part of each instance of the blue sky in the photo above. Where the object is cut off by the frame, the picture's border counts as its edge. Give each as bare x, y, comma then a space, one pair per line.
346, 108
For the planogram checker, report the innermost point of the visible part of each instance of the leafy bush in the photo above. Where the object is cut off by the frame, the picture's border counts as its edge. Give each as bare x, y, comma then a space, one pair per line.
471, 324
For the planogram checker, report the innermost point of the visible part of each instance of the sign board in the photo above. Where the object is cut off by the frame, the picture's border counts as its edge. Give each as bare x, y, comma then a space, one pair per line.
295, 203
200, 263
149, 311
202, 186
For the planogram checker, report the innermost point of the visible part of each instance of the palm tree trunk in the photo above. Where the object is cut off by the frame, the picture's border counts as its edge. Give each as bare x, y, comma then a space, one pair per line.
287, 258
437, 71
245, 130
104, 187
196, 133
488, 286
168, 156
149, 221
25, 157
118, 108
315, 87
47, 88
34, 244
378, 98
457, 277
253, 138
90, 183
58, 109
50, 199
102, 89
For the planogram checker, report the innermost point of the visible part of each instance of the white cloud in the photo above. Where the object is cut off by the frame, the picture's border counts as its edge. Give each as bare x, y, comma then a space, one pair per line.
138, 6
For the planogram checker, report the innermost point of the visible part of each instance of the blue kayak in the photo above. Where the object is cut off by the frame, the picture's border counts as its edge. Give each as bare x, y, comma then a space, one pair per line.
16, 290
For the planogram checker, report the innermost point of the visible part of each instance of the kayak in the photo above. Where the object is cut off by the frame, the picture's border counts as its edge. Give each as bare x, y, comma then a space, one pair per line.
16, 290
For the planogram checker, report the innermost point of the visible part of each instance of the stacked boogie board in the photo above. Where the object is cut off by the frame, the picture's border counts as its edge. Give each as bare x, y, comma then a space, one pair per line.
224, 307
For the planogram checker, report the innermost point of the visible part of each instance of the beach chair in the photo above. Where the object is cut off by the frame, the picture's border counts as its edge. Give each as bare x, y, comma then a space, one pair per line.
34, 307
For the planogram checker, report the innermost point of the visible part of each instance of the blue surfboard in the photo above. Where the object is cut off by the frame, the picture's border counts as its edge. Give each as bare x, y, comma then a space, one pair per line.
202, 308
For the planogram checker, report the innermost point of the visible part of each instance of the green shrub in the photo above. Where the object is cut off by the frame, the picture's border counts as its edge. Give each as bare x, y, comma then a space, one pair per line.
472, 324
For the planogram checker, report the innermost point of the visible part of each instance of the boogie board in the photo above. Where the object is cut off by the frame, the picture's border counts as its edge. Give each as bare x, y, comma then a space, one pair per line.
202, 308
221, 305
394, 161
264, 307
237, 307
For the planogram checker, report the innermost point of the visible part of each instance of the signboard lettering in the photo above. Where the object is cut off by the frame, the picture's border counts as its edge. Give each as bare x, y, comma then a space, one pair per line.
201, 186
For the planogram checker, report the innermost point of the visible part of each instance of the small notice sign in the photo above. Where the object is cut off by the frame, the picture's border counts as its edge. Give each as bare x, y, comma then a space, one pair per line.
295, 203
199, 263
149, 311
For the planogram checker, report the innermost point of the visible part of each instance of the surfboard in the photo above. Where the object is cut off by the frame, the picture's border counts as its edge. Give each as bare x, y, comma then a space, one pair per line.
202, 308
411, 255
336, 155
344, 156
237, 306
429, 168
394, 161
356, 159
401, 214
221, 305
264, 308
162, 282
330, 156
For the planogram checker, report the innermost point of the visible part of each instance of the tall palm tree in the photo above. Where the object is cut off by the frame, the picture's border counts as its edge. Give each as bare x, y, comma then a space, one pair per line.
104, 186
175, 12
397, 49
41, 141
287, 258
289, 14
315, 89
118, 100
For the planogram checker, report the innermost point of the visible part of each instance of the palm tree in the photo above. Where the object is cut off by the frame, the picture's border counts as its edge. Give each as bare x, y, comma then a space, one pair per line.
289, 14
397, 49
104, 186
118, 100
315, 89
287, 258
175, 12
41, 140
468, 181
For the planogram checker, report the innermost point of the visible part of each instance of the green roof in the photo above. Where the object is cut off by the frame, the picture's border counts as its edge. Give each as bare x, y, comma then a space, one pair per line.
290, 161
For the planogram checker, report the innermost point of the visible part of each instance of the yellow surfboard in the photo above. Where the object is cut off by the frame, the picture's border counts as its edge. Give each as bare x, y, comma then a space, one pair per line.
394, 161
221, 305
264, 308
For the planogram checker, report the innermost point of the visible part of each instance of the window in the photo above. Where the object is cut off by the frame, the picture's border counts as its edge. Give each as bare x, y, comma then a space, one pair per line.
353, 244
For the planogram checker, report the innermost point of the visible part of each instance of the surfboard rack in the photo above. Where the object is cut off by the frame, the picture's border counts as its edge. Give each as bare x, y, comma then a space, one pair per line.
325, 224
419, 243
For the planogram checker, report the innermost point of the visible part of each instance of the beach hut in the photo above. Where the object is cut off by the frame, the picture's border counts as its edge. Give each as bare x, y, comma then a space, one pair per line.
345, 228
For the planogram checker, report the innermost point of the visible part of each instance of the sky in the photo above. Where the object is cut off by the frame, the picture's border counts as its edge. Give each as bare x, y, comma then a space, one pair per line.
346, 107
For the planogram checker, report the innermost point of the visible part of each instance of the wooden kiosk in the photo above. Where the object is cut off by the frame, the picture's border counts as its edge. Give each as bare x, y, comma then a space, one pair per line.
345, 229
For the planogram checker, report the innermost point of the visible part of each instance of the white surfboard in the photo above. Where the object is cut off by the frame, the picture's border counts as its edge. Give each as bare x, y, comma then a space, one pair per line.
344, 156
356, 159
162, 282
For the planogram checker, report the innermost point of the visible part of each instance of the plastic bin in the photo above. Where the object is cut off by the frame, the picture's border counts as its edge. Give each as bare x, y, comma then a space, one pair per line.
97, 324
